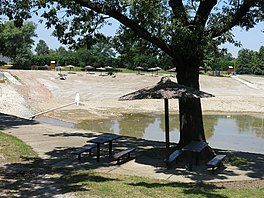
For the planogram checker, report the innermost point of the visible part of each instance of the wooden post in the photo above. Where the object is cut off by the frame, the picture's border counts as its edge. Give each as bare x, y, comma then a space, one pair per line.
167, 125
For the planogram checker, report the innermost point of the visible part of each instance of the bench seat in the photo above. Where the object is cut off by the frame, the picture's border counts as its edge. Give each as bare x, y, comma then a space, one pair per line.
86, 148
123, 153
173, 157
215, 162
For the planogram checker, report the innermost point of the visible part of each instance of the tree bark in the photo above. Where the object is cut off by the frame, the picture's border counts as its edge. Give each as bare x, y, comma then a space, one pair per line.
190, 111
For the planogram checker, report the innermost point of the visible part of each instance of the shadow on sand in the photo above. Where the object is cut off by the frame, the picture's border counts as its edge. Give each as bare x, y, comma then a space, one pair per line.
46, 177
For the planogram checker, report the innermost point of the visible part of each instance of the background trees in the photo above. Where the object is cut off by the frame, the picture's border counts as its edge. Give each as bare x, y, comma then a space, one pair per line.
249, 61
16, 43
42, 48
260, 67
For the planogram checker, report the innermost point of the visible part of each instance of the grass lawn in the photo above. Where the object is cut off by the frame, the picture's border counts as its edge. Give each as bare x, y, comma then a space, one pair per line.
88, 183
13, 149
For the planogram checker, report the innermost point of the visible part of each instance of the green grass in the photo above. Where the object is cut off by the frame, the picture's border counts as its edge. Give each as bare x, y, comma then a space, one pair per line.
88, 183
13, 149
236, 160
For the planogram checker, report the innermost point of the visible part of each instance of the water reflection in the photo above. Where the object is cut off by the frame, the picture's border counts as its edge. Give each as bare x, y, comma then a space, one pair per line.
150, 126
248, 124
230, 132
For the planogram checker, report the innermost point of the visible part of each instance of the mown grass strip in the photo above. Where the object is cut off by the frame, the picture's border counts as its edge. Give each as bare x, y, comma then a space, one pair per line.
88, 183
13, 149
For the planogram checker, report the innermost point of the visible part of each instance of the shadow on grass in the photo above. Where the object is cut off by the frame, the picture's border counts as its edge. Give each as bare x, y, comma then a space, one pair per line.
57, 174
38, 179
8, 121
197, 189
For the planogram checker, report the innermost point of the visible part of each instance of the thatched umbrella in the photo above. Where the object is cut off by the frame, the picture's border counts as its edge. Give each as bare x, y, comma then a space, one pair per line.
101, 69
166, 89
158, 68
139, 68
88, 67
152, 69
171, 70
108, 68
70, 67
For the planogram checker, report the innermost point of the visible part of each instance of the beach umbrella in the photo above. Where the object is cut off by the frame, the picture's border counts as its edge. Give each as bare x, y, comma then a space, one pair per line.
101, 69
166, 89
152, 69
172, 70
157, 69
70, 67
139, 68
108, 68
88, 67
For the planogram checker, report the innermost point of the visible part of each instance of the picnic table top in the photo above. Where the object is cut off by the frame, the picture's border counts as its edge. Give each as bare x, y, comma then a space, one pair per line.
195, 146
105, 138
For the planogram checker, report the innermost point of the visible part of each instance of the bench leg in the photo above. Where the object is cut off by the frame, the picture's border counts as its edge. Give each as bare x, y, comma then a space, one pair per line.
90, 152
213, 169
98, 152
197, 158
110, 148
79, 157
190, 160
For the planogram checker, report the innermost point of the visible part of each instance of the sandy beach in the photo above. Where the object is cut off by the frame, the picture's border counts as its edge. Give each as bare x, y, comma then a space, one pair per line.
42, 90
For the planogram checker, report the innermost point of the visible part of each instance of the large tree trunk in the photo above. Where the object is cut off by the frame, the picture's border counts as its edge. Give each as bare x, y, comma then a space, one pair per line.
191, 120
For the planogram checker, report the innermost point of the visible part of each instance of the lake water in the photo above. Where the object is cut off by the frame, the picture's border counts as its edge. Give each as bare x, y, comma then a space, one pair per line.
234, 132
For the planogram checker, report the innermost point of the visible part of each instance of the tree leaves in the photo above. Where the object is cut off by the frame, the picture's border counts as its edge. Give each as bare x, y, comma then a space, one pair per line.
16, 43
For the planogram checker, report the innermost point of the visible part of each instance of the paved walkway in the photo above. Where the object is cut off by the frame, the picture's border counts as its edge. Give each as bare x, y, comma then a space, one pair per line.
11, 78
54, 144
249, 84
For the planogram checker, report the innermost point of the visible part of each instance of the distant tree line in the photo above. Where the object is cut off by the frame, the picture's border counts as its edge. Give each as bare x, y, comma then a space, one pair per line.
247, 62
104, 53
16, 43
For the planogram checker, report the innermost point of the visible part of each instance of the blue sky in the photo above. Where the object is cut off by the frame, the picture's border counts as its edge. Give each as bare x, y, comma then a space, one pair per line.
251, 39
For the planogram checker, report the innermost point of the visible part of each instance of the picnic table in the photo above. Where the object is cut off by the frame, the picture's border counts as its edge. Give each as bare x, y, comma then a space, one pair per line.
105, 138
194, 148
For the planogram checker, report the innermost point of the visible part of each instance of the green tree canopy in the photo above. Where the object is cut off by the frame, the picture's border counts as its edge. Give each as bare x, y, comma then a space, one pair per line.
249, 61
246, 59
16, 43
42, 48
260, 67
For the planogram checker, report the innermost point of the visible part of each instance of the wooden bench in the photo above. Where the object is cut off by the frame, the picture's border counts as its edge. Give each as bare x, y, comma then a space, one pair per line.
215, 162
123, 153
86, 148
173, 157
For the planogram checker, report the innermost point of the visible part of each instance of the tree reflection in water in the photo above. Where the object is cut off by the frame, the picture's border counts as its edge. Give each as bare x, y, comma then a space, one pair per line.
135, 125
250, 124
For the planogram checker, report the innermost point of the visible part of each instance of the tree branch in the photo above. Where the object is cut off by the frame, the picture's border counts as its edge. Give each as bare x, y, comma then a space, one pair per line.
178, 10
140, 31
204, 11
236, 19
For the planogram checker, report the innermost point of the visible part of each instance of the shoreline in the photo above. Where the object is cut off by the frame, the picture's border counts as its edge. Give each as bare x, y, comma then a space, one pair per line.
41, 90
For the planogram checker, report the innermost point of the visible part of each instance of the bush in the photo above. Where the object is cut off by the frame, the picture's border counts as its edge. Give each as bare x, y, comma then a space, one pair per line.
36, 67
258, 71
